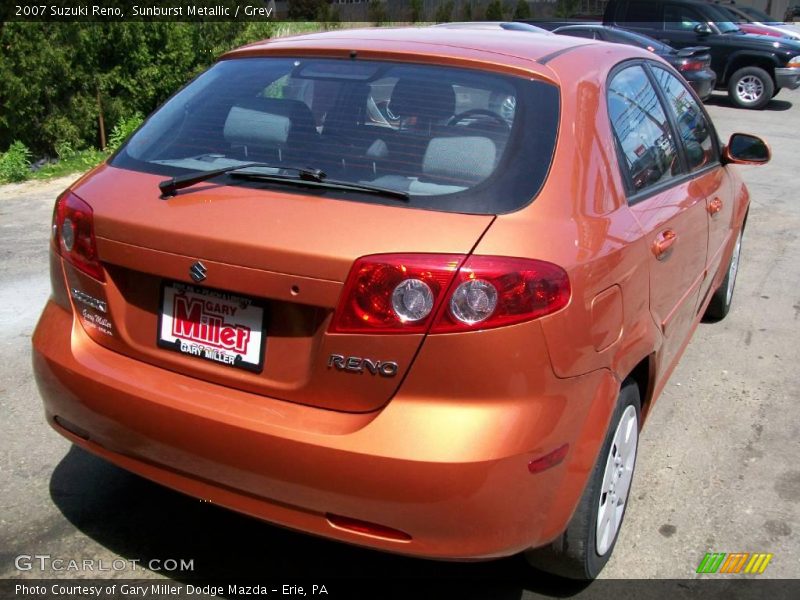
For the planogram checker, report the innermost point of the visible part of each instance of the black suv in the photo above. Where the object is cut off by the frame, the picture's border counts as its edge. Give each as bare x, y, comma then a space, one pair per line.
753, 68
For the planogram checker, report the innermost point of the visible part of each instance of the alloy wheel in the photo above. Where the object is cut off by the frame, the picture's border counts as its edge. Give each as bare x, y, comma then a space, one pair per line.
750, 88
617, 480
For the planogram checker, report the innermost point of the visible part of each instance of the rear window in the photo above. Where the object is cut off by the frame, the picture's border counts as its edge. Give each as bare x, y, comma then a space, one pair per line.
453, 139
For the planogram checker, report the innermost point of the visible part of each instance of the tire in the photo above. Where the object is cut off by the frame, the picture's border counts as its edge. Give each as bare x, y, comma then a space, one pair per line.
720, 303
577, 553
751, 87
776, 92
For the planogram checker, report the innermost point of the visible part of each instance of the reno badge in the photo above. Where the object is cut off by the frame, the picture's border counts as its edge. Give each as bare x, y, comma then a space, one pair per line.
356, 364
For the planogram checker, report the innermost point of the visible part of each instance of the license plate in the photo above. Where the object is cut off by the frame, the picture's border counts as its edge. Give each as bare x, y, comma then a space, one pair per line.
212, 325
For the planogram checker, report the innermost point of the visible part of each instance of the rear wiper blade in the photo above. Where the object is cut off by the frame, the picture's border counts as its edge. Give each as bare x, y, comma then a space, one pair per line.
324, 182
168, 187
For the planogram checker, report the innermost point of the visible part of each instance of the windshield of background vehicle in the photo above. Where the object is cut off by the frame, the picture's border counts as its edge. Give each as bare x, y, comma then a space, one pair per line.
454, 139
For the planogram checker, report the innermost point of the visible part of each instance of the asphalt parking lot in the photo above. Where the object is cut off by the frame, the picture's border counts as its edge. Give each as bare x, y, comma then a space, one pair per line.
718, 467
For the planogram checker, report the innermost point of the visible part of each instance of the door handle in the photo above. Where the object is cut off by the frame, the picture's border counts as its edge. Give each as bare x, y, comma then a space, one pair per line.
714, 206
662, 246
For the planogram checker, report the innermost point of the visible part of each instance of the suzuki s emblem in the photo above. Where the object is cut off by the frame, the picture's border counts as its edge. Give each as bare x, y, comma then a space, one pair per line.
198, 271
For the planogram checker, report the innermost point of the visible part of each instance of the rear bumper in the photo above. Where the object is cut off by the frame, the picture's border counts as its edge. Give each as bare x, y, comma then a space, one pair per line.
787, 78
703, 82
451, 475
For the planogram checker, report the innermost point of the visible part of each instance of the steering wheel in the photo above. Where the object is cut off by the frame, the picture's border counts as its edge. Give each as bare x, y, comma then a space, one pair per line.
479, 112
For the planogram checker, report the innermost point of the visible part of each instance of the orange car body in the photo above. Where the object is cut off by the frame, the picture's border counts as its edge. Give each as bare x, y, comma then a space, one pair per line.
437, 461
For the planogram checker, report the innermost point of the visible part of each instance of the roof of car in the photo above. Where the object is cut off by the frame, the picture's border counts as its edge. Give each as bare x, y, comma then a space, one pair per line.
456, 42
547, 57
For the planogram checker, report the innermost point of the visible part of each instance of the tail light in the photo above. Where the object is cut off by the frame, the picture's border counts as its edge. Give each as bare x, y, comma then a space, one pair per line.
443, 293
394, 293
73, 231
493, 291
692, 65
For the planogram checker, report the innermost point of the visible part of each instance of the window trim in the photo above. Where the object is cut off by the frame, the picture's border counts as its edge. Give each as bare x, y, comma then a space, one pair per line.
633, 197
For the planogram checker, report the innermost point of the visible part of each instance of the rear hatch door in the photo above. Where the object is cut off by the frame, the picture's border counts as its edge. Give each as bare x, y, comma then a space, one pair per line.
277, 259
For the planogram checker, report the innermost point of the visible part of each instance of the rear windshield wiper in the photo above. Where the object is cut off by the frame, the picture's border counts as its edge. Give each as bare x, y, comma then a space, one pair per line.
324, 182
168, 187
302, 176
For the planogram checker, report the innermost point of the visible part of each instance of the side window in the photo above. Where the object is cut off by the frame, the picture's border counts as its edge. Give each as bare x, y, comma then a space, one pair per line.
642, 129
681, 18
581, 33
694, 129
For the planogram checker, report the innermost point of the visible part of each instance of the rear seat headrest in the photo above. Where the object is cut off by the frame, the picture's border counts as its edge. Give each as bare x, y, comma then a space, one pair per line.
268, 122
470, 158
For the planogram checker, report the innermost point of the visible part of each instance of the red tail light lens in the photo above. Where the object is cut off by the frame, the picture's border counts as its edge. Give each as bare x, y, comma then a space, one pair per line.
414, 293
494, 291
394, 293
73, 230
692, 65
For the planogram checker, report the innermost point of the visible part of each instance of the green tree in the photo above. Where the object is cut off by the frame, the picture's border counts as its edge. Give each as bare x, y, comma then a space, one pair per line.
444, 12
377, 12
522, 10
417, 8
566, 8
494, 12
304, 10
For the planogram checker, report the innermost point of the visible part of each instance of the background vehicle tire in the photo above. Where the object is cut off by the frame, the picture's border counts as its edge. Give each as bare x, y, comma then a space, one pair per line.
751, 87
585, 547
720, 304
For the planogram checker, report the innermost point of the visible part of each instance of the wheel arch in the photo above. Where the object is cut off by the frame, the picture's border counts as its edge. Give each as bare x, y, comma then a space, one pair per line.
643, 374
748, 58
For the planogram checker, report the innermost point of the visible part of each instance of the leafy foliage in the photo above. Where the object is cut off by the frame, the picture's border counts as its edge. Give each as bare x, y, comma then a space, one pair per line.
57, 79
522, 10
15, 164
305, 10
494, 12
123, 129
417, 9
377, 12
444, 12
566, 8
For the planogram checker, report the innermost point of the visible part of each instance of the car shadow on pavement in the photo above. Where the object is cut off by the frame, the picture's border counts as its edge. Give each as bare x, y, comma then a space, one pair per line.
723, 100
136, 519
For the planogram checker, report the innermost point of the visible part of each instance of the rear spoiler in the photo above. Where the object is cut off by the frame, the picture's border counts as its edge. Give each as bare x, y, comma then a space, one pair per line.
694, 51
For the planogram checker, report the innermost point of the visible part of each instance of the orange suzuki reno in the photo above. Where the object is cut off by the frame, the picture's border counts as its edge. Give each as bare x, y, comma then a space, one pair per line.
415, 289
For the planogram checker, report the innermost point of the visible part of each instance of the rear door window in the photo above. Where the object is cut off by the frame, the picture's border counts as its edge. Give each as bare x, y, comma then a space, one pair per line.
695, 132
648, 153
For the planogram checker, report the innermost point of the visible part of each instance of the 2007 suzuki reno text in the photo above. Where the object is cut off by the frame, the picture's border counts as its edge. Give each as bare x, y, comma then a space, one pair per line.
404, 288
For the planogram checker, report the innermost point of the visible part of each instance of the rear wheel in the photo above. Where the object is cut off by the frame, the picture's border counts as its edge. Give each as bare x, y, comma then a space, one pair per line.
751, 87
720, 304
585, 547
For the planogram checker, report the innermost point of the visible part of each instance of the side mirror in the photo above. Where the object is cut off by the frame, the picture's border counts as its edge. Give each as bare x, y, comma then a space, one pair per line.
702, 29
745, 149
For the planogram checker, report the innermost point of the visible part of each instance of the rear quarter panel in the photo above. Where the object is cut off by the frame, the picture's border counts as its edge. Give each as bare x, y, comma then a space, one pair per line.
581, 221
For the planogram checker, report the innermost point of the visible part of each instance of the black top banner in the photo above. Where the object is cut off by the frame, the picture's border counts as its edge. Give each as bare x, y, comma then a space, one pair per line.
144, 10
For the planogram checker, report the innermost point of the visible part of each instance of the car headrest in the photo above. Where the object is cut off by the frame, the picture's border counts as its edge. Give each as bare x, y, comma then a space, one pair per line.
271, 122
430, 100
466, 158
